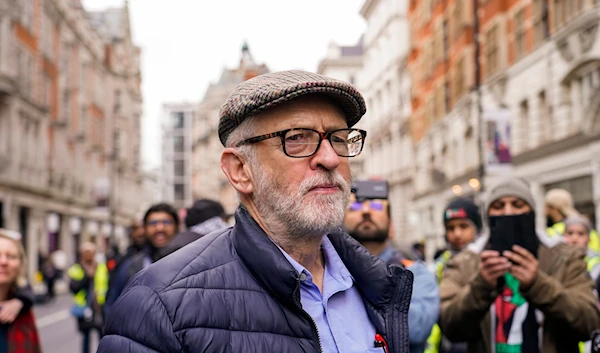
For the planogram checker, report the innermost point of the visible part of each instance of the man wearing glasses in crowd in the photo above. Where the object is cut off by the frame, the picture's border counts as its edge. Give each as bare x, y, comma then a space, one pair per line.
161, 223
285, 278
368, 220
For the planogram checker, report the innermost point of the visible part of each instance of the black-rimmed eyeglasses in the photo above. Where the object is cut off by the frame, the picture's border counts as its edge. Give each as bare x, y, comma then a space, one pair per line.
301, 142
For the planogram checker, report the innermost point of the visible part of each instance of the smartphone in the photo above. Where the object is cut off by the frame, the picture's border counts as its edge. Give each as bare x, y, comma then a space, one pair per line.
370, 189
502, 233
506, 231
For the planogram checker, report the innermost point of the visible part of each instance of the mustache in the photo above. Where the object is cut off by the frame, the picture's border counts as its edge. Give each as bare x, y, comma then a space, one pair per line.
327, 177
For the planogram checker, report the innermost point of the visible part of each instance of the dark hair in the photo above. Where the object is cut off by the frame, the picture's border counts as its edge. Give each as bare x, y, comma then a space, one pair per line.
162, 207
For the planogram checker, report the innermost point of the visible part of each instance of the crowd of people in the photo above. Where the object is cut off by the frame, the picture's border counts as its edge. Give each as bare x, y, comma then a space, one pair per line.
308, 263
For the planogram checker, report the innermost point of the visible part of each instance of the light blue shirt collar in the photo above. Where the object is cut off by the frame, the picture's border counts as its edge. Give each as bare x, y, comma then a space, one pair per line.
333, 264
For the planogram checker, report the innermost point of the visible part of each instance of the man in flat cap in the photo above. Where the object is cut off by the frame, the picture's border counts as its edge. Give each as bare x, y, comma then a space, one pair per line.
285, 278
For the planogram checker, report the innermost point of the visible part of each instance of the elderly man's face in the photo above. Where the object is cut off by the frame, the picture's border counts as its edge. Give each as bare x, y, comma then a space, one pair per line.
310, 194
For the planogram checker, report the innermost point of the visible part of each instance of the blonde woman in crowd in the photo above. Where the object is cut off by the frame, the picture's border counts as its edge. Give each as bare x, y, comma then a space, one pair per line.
18, 332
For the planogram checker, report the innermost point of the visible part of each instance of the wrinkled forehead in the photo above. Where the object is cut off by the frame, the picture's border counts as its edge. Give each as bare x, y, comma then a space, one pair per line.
311, 111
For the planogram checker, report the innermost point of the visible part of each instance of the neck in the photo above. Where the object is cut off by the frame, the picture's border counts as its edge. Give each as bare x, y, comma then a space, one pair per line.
304, 249
375, 247
4, 292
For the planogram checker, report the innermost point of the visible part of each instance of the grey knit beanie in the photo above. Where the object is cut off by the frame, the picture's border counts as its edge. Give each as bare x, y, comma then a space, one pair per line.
578, 220
517, 187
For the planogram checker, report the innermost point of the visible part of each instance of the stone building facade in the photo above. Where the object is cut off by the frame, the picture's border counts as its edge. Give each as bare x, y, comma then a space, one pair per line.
70, 115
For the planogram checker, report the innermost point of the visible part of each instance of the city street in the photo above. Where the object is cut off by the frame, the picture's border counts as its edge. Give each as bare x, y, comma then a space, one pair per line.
58, 330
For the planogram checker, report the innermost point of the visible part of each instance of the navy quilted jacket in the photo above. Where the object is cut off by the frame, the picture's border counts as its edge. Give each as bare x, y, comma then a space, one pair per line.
234, 291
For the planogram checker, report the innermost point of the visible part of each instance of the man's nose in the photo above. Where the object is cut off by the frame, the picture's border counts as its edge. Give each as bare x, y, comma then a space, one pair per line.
325, 157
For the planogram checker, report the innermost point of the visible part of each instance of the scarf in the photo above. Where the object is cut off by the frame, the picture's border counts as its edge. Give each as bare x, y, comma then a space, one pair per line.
516, 326
22, 335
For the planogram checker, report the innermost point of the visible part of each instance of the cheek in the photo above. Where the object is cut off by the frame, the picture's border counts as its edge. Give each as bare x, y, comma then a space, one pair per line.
344, 168
495, 212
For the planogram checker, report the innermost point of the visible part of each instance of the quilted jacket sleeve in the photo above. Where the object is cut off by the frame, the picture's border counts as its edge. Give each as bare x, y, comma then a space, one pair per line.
139, 323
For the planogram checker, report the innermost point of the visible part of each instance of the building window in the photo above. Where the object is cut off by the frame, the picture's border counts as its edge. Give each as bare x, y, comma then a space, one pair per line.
179, 168
179, 192
519, 25
46, 90
545, 118
178, 144
447, 95
446, 39
26, 73
459, 79
179, 120
539, 21
492, 50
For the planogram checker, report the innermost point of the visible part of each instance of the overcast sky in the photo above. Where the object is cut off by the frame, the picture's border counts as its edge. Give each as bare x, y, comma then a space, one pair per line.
187, 43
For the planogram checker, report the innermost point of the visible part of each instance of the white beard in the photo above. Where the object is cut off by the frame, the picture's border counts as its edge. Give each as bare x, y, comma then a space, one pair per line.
297, 214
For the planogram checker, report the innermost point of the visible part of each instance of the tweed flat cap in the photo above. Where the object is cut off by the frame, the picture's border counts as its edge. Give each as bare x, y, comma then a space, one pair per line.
269, 90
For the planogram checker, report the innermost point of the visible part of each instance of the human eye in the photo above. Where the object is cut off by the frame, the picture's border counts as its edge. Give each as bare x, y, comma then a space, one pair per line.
297, 136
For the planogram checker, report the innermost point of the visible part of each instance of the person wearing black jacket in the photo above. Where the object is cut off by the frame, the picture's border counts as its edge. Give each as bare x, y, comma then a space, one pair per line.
204, 217
160, 224
286, 277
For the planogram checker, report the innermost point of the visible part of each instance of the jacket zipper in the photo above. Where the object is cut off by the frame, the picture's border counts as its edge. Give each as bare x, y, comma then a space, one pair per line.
314, 324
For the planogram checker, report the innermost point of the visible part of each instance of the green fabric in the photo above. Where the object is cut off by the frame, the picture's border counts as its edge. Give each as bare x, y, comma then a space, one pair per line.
513, 283
518, 300
508, 348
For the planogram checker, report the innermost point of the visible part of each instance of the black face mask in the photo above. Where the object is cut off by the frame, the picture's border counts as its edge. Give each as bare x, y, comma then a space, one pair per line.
506, 231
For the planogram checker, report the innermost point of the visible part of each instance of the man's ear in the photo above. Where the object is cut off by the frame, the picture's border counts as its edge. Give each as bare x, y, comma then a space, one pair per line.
391, 231
237, 171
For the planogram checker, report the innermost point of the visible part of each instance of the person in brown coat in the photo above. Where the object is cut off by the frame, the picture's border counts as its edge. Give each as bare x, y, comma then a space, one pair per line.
532, 298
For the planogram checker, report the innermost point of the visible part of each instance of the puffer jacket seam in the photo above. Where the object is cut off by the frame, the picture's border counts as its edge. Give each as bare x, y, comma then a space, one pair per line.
165, 309
206, 288
167, 288
175, 279
241, 331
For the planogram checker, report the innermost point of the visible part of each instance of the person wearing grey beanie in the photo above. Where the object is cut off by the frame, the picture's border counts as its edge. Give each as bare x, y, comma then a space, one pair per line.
509, 278
577, 231
516, 190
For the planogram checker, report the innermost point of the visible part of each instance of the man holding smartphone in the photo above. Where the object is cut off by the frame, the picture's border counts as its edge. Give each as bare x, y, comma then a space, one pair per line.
515, 283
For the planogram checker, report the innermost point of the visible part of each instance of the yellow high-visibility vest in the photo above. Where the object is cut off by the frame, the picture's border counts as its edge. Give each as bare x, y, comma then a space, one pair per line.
76, 272
435, 337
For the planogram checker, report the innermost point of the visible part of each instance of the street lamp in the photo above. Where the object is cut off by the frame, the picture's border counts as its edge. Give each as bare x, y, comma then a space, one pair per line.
474, 183
457, 190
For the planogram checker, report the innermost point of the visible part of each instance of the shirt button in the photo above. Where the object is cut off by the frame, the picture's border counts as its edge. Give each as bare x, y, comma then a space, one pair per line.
303, 277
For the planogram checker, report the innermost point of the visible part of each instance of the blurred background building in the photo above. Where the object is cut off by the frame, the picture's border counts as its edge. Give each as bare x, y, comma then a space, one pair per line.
70, 115
448, 114
177, 124
208, 178
459, 94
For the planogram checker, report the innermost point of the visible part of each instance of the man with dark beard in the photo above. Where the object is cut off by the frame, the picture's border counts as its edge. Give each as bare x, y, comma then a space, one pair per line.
285, 278
368, 221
